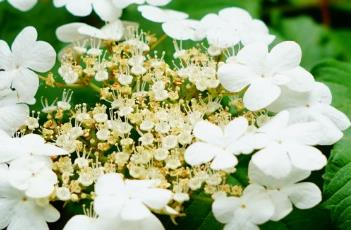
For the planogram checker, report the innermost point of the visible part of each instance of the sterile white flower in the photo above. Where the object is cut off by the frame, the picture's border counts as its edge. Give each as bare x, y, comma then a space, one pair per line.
287, 191
105, 9
233, 25
125, 3
314, 105
20, 212
111, 31
184, 29
265, 72
32, 175
287, 146
129, 200
23, 5
12, 114
69, 32
216, 144
159, 15
102, 223
254, 207
25, 56
30, 144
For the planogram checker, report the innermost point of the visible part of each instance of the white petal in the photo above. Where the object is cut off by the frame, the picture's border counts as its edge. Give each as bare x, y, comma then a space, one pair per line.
223, 208
51, 214
208, 132
290, 99
235, 77
277, 123
79, 8
200, 153
36, 55
41, 58
266, 160
6, 206
306, 157
156, 14
23, 43
69, 32
158, 2
253, 56
320, 94
304, 195
258, 204
337, 117
235, 15
12, 117
50, 150
260, 94
42, 185
113, 31
224, 160
238, 223
235, 129
155, 198
284, 56
178, 30
6, 58
300, 79
109, 206
106, 10
150, 222
135, 210
26, 84
329, 132
282, 204
80, 222
109, 184
27, 216
23, 5
309, 136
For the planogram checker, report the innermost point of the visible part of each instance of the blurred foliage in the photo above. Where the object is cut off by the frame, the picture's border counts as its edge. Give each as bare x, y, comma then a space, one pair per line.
321, 27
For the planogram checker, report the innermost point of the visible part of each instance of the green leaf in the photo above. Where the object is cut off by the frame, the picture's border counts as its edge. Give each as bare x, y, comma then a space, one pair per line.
337, 75
337, 177
314, 39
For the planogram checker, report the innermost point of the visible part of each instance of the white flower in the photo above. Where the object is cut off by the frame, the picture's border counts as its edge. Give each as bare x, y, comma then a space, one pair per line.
287, 146
30, 144
12, 115
105, 9
25, 56
159, 15
174, 23
125, 3
33, 175
286, 191
216, 144
184, 29
111, 31
101, 223
75, 32
265, 72
246, 212
23, 5
233, 25
19, 212
314, 105
129, 200
69, 32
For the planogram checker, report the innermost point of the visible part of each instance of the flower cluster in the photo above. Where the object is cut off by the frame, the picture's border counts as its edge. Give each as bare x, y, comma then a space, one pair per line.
159, 134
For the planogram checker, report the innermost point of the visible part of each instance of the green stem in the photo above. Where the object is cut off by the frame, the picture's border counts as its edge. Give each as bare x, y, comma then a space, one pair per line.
94, 87
159, 41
